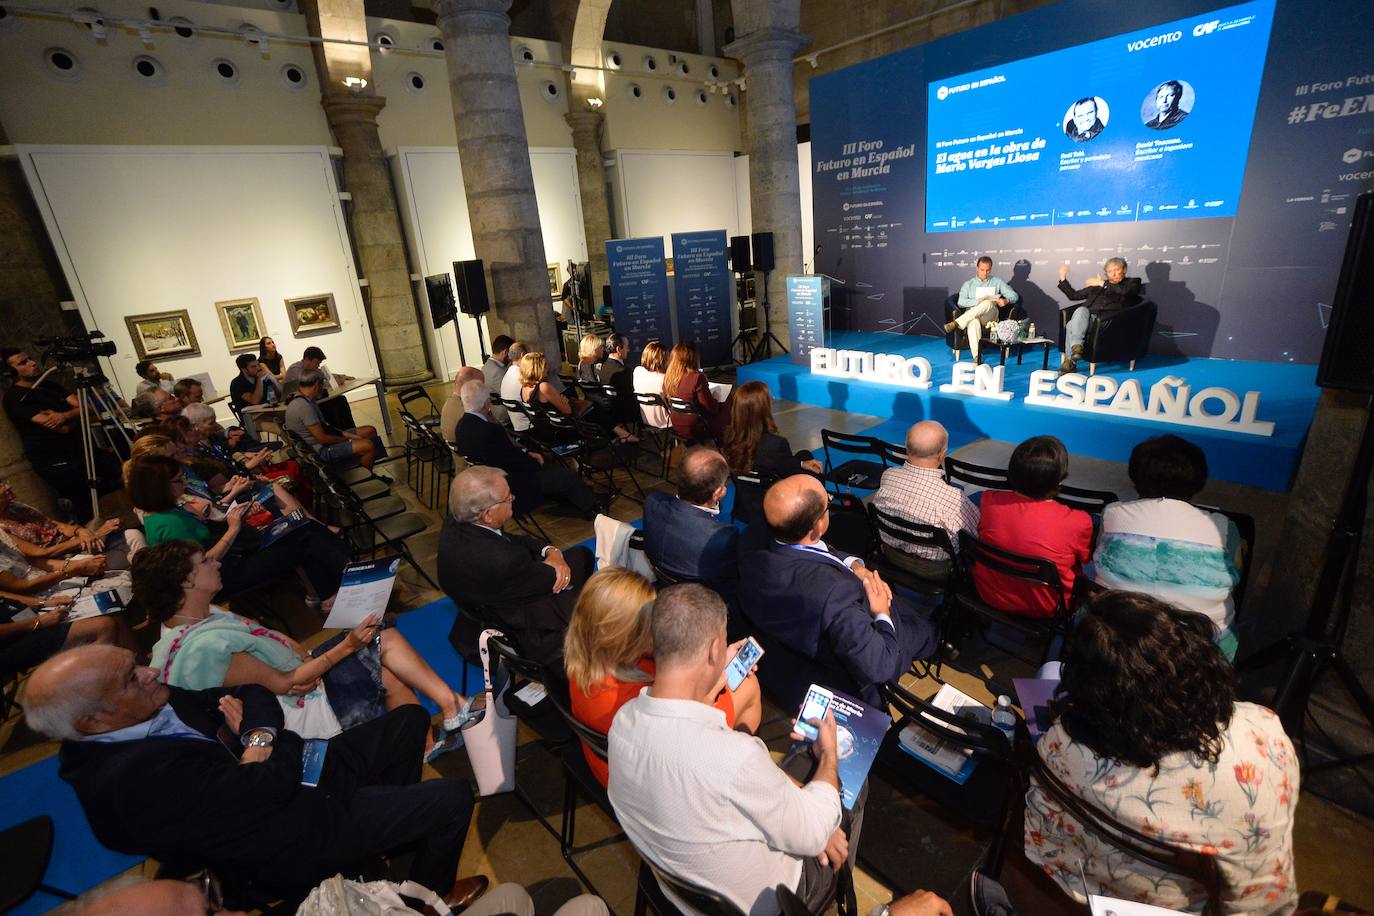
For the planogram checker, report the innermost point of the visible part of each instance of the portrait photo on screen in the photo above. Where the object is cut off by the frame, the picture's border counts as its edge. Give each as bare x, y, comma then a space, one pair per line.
1167, 104
1086, 118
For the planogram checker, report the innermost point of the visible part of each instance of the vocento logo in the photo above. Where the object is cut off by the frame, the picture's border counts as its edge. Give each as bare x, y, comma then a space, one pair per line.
1154, 41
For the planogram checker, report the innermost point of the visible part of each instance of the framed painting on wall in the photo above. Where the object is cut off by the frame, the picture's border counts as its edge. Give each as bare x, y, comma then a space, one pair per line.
311, 314
555, 282
241, 321
163, 335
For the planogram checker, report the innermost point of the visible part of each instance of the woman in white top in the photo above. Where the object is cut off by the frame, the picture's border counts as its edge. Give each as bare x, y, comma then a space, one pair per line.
648, 379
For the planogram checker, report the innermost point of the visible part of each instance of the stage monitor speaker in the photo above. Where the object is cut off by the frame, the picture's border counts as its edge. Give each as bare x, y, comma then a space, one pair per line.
439, 292
1347, 355
739, 254
763, 250
472, 287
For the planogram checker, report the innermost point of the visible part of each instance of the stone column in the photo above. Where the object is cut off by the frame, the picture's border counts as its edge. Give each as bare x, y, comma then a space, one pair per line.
774, 193
591, 182
495, 156
377, 235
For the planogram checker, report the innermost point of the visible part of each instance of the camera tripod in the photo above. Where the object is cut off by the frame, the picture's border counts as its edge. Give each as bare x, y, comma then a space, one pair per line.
100, 412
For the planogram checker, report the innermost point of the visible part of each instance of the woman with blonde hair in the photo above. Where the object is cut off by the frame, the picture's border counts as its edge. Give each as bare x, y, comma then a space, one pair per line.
536, 392
608, 656
648, 379
685, 380
590, 351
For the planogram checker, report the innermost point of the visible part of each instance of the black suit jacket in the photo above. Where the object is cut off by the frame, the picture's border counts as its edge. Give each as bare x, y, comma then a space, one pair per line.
483, 442
503, 578
614, 373
1107, 298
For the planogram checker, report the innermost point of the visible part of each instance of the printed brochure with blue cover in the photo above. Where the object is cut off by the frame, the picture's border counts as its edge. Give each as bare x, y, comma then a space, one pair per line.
365, 589
859, 733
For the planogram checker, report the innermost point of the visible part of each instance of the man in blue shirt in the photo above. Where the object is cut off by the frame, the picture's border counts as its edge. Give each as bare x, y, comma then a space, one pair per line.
979, 299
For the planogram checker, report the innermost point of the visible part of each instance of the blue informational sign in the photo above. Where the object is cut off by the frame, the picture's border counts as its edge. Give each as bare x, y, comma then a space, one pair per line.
1151, 124
701, 279
639, 290
805, 316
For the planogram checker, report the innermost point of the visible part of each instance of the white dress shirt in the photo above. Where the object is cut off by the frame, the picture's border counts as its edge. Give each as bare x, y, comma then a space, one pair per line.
709, 805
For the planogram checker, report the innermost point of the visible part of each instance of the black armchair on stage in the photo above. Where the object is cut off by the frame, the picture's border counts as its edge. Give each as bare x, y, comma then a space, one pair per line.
957, 339
1120, 337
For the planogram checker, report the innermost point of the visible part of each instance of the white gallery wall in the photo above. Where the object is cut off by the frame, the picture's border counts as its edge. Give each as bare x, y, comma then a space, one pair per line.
156, 229
804, 180
429, 182
659, 192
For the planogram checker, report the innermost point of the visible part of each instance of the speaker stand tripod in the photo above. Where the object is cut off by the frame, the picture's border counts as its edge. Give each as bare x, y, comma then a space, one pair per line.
1320, 644
764, 348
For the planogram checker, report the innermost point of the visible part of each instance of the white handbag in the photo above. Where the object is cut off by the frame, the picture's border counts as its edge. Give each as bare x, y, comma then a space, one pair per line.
340, 896
491, 742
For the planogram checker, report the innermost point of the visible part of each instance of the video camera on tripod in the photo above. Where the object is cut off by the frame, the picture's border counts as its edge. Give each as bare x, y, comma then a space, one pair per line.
78, 350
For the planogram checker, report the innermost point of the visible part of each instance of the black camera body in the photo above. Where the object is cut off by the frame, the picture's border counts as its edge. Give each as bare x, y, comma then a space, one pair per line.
76, 348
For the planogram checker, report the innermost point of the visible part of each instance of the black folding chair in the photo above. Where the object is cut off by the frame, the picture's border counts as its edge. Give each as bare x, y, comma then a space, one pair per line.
653, 880
27, 849
750, 487
662, 435
975, 475
1090, 501
371, 533
1034, 570
893, 554
856, 473
600, 456
684, 407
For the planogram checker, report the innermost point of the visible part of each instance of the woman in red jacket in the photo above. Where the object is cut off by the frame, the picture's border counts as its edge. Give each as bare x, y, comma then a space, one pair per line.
684, 379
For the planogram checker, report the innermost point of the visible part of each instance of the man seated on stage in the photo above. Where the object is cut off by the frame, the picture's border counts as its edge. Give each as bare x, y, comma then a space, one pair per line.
528, 588
452, 411
494, 372
482, 441
1116, 293
335, 410
253, 385
979, 299
48, 420
684, 535
918, 492
303, 418
510, 385
149, 376
211, 778
828, 607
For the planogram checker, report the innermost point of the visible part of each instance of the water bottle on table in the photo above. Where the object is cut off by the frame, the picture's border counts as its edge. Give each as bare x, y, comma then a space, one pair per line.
1004, 717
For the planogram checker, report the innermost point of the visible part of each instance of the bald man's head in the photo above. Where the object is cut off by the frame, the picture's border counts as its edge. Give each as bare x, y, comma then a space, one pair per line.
702, 476
796, 509
90, 690
465, 375
926, 443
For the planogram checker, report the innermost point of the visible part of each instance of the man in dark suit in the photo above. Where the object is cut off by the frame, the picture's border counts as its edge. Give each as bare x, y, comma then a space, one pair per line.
482, 441
820, 604
211, 778
684, 535
527, 588
1099, 296
614, 372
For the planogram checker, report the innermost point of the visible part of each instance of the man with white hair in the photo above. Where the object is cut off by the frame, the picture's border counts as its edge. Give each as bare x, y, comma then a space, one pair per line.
527, 587
1102, 295
918, 492
453, 408
213, 778
480, 441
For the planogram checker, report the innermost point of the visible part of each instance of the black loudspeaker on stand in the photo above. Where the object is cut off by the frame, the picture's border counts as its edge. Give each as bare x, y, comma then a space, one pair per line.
472, 295
1347, 362
760, 347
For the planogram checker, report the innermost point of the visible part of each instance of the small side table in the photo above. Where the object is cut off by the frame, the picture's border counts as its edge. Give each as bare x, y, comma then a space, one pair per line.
1020, 347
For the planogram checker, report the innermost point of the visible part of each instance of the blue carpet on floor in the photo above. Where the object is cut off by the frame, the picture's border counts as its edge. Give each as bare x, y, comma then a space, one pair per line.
78, 860
426, 628
1289, 399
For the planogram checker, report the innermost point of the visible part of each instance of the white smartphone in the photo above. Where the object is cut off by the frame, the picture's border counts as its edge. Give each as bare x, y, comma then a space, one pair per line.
746, 658
815, 706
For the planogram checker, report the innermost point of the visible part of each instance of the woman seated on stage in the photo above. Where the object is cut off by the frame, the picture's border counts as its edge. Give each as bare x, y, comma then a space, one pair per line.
609, 657
537, 393
685, 380
156, 486
352, 678
38, 537
1027, 520
648, 379
1149, 732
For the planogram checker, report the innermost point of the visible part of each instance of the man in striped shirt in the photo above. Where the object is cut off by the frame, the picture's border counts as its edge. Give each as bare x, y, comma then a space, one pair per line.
917, 492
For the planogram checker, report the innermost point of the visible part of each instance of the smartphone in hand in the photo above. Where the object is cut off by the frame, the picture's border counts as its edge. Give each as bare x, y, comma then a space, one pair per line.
815, 706
745, 659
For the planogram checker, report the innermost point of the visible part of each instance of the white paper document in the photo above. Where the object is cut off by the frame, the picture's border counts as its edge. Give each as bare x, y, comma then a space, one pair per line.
1112, 906
365, 589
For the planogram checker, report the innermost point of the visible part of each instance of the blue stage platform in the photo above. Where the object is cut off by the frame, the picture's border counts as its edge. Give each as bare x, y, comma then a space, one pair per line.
1289, 397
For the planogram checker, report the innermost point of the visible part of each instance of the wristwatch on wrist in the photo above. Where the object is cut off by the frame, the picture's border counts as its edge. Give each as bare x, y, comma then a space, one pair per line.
258, 737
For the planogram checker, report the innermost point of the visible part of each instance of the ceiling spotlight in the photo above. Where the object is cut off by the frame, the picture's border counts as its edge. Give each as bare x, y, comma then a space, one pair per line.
813, 60
145, 35
91, 20
355, 83
595, 104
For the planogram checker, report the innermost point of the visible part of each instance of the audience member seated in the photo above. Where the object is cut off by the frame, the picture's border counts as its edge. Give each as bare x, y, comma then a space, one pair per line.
510, 385
1027, 520
684, 535
648, 379
35, 629
332, 444
753, 444
918, 492
453, 408
189, 391
494, 373
590, 351
1149, 731
609, 658
827, 607
538, 393
1162, 545
352, 678
614, 373
707, 803
684, 379
482, 441
158, 405
1100, 295
270, 357
47, 419
526, 587
152, 775
35, 581
38, 537
226, 448
155, 487
254, 385
336, 410
149, 377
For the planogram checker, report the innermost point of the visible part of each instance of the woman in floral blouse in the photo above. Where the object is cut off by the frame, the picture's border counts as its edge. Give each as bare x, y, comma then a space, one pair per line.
1149, 731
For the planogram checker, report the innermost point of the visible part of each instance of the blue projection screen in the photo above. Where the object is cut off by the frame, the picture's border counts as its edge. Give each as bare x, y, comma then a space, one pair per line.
1152, 124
